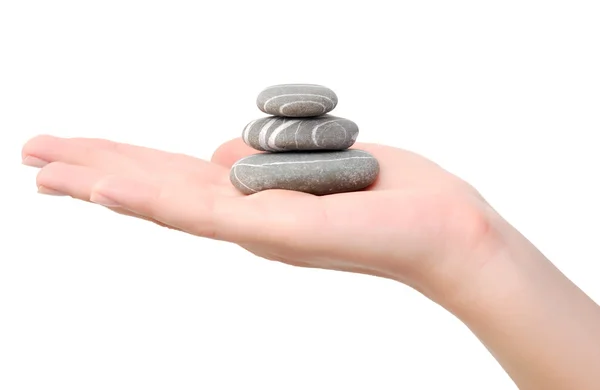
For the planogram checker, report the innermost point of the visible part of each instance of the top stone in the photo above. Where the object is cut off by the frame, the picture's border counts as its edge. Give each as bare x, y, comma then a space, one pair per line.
297, 100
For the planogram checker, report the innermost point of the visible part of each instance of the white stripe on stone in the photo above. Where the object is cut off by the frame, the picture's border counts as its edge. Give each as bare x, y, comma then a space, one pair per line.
238, 179
297, 94
296, 134
247, 129
283, 107
314, 131
302, 162
262, 136
272, 138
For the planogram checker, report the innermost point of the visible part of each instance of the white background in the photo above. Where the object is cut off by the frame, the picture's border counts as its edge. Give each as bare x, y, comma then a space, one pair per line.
505, 94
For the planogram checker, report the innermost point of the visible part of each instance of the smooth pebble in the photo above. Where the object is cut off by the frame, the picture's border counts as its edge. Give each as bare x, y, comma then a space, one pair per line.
318, 173
297, 100
277, 134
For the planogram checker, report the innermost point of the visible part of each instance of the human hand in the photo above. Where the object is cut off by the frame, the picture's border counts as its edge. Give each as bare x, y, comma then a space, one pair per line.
417, 223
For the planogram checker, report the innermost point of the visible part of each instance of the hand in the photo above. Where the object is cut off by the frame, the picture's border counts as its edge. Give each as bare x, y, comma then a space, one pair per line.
417, 223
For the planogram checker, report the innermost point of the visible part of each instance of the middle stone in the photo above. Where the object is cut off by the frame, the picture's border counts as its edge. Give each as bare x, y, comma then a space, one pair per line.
278, 134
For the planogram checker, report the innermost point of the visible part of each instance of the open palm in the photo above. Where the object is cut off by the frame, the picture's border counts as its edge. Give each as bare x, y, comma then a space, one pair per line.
413, 216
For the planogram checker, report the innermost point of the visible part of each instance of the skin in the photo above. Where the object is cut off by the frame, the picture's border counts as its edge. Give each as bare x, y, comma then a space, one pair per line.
423, 227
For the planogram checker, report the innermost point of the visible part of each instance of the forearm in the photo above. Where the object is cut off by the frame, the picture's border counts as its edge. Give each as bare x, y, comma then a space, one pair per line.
541, 328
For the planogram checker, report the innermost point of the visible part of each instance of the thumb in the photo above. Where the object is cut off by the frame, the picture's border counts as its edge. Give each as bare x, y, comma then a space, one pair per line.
231, 151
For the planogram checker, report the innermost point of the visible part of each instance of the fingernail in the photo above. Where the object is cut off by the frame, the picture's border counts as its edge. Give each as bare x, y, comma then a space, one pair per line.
103, 200
49, 191
35, 162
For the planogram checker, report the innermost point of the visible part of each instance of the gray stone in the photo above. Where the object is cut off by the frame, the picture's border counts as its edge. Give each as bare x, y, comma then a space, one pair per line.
297, 100
277, 134
318, 173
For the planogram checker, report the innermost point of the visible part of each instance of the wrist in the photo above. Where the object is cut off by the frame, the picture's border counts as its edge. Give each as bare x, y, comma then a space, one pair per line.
540, 327
495, 270
459, 269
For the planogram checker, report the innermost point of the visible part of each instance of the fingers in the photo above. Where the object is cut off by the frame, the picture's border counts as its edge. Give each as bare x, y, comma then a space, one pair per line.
113, 157
183, 206
58, 178
148, 157
176, 200
231, 151
205, 210
73, 180
46, 149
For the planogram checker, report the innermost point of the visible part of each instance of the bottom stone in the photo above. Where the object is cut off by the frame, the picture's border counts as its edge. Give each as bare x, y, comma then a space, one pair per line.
318, 173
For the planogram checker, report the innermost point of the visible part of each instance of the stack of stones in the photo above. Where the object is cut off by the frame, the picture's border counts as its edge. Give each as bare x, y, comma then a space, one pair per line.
303, 147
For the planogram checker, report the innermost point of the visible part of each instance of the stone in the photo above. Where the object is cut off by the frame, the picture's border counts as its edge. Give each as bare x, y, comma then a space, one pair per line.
317, 173
297, 100
278, 134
